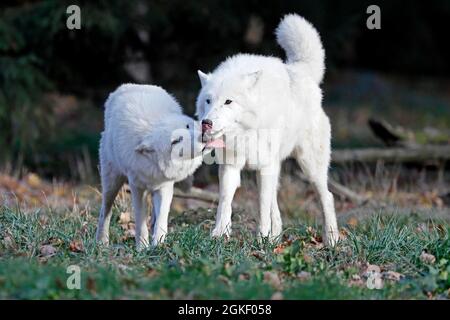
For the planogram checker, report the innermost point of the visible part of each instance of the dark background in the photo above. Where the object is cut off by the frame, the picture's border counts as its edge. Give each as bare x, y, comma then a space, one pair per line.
53, 81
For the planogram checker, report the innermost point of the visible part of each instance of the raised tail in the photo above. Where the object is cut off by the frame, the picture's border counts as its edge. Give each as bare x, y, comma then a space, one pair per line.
302, 44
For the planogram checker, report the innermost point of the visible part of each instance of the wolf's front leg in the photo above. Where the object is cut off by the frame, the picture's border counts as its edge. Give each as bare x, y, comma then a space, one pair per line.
162, 199
229, 181
112, 181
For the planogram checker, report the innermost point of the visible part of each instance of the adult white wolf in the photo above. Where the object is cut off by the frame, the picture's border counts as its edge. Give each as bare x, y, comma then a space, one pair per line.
149, 143
256, 93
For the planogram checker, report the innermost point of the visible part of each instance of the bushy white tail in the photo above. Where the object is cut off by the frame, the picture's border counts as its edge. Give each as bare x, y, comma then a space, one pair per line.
302, 44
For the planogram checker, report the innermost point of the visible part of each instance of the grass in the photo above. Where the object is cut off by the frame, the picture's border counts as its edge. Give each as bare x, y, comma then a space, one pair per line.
192, 265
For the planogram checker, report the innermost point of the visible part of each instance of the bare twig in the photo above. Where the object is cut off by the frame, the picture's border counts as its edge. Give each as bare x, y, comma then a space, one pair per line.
338, 189
208, 196
197, 194
419, 154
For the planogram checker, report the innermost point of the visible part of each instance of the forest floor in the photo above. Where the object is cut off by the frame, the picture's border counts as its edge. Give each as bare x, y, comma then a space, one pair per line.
385, 252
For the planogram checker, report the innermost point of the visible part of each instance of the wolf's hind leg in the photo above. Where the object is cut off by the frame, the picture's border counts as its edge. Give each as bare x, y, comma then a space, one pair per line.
270, 219
140, 216
112, 181
314, 164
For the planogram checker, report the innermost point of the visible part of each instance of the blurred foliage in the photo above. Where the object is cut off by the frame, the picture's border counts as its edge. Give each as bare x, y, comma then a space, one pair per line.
39, 55
173, 39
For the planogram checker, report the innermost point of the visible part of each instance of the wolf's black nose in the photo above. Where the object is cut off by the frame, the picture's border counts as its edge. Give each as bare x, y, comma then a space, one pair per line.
207, 122
206, 125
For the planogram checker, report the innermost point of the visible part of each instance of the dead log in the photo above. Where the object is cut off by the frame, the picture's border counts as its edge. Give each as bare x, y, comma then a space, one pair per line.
397, 136
208, 196
417, 154
390, 136
196, 194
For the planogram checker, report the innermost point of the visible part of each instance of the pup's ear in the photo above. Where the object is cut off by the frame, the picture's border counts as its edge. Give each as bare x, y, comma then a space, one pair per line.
144, 148
251, 79
203, 77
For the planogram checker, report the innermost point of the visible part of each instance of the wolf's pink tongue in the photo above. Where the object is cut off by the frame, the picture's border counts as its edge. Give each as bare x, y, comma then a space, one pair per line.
218, 143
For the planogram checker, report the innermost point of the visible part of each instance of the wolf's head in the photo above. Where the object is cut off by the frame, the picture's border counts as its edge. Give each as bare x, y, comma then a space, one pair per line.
174, 145
227, 104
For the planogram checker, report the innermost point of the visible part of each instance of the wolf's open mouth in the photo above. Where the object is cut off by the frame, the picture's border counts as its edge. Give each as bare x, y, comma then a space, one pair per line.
213, 140
216, 143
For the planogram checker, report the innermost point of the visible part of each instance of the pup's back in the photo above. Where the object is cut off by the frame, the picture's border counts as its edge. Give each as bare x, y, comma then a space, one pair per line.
139, 104
131, 112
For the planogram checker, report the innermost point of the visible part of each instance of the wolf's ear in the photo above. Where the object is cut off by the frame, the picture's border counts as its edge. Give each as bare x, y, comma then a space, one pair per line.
251, 79
144, 148
203, 77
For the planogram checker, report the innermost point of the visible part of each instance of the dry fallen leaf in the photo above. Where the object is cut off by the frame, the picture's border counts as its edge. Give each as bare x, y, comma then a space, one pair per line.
125, 217
307, 258
129, 234
84, 228
356, 281
373, 268
258, 254
272, 278
311, 230
375, 281
33, 180
224, 279
303, 275
279, 249
353, 222
343, 234
277, 296
151, 273
76, 246
244, 276
91, 285
8, 241
392, 275
47, 250
55, 241
316, 241
427, 258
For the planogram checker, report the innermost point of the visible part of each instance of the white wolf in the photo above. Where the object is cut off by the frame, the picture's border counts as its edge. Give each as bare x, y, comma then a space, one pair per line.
255, 93
149, 142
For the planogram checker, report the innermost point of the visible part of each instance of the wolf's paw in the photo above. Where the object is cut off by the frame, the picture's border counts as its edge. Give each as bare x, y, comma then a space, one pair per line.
331, 236
158, 239
141, 245
102, 240
219, 232
270, 238
275, 232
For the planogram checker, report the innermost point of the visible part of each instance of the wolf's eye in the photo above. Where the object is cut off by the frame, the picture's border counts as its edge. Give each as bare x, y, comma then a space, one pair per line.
177, 140
228, 101
208, 101
187, 126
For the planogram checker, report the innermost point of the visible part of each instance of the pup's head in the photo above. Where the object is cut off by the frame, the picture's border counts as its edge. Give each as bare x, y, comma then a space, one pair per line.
226, 105
175, 145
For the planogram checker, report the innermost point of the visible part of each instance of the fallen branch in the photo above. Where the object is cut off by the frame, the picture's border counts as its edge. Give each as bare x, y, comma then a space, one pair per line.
396, 136
391, 136
208, 196
418, 154
197, 194
338, 189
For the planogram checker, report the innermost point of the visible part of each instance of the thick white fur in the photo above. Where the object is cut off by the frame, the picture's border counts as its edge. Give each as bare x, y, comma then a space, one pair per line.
141, 122
268, 94
302, 44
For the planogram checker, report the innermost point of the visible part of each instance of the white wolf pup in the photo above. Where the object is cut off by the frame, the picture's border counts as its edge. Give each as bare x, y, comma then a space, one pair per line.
149, 142
252, 93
